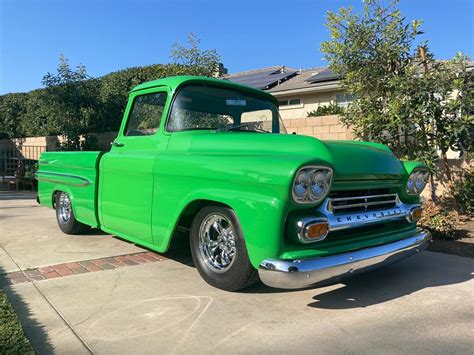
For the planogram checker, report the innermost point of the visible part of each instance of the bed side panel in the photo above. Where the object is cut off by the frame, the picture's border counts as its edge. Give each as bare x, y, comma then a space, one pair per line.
75, 173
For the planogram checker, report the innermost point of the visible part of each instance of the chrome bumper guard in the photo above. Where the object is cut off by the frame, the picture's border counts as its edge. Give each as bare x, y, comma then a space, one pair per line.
291, 274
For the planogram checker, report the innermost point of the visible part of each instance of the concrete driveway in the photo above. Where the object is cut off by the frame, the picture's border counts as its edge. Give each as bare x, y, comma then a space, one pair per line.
96, 293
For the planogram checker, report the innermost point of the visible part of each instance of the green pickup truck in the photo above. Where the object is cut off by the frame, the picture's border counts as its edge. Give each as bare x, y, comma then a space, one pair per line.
212, 157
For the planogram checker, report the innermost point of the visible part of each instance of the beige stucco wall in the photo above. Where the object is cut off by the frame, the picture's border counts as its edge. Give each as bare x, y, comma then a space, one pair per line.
322, 127
25, 146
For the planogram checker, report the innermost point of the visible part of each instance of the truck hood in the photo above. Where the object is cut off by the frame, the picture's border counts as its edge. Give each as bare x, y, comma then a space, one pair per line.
349, 160
364, 160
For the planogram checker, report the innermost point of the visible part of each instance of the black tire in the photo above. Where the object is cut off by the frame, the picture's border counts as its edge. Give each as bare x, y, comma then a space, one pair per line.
68, 225
239, 273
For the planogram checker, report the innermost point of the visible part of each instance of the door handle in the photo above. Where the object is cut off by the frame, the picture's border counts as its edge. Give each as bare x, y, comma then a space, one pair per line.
117, 144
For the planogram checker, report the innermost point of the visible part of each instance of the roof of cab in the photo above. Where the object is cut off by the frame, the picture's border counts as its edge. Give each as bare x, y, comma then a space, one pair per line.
174, 82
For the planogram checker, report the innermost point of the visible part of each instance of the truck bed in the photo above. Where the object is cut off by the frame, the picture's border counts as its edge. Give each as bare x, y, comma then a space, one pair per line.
77, 174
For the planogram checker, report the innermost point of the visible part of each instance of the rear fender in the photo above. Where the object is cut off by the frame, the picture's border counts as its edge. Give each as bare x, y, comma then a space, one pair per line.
74, 173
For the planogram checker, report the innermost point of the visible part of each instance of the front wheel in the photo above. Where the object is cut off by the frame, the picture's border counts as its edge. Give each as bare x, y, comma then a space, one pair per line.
219, 251
65, 215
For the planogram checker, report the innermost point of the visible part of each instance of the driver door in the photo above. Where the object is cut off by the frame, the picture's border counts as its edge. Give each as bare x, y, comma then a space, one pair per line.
127, 180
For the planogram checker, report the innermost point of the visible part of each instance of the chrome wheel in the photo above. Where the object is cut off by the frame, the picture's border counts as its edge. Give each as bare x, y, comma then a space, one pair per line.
64, 207
217, 242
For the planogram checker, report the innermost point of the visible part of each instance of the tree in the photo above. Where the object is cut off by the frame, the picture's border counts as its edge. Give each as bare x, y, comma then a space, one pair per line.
74, 105
198, 61
188, 60
39, 118
71, 98
12, 108
65, 75
419, 106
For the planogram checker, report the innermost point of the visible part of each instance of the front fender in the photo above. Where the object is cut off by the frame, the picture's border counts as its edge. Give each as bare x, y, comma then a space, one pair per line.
261, 217
257, 189
410, 166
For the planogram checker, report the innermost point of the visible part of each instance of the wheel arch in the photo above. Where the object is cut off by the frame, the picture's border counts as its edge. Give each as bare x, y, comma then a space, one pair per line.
182, 226
259, 215
53, 197
192, 208
56, 191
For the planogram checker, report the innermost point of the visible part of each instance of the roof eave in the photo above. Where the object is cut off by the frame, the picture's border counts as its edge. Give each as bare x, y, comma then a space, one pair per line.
308, 90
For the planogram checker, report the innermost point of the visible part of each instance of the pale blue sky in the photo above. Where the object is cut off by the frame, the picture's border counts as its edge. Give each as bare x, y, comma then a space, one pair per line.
108, 35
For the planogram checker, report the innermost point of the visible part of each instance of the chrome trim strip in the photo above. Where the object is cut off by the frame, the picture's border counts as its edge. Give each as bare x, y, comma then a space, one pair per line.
362, 197
84, 182
331, 200
362, 204
291, 274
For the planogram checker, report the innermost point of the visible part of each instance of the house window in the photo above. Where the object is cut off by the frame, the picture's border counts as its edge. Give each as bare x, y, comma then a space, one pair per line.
289, 102
343, 100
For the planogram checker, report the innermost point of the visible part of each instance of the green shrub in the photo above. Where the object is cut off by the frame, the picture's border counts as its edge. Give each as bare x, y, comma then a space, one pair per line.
74, 105
463, 191
4, 135
30, 171
440, 222
325, 110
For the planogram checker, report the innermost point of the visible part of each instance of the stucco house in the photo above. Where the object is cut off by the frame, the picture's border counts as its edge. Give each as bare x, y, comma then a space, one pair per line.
300, 91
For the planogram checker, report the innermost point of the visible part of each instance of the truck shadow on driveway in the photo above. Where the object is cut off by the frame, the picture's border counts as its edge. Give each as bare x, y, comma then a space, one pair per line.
425, 270
401, 279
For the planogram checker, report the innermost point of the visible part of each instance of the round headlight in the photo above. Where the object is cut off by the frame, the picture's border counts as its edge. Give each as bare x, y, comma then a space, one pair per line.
311, 184
319, 183
417, 181
410, 184
302, 183
420, 182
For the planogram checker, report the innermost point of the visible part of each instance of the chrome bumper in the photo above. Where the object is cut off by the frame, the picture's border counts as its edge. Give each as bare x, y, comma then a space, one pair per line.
291, 274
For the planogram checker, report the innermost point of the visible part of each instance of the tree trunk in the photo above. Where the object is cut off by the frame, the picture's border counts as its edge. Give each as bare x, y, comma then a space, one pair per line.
449, 177
433, 189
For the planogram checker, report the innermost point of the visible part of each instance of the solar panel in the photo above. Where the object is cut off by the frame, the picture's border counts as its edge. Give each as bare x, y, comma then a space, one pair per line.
262, 73
263, 79
323, 75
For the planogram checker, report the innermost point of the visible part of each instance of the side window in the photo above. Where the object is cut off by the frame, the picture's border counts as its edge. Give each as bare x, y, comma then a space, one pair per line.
145, 116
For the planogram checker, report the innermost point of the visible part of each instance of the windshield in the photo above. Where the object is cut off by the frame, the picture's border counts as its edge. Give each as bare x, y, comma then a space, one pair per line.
201, 107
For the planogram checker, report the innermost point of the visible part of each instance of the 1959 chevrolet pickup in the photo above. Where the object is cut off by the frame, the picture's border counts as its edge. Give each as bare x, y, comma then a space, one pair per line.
212, 157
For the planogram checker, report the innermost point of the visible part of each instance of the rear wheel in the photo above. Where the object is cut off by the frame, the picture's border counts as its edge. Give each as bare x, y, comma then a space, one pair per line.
65, 215
219, 251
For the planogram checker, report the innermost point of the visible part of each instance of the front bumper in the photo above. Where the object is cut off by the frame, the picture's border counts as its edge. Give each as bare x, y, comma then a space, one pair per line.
291, 274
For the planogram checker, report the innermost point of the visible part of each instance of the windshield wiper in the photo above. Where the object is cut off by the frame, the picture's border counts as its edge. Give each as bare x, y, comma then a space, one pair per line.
237, 128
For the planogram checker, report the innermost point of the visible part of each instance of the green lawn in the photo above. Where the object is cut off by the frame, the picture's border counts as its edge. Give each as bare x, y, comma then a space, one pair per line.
12, 338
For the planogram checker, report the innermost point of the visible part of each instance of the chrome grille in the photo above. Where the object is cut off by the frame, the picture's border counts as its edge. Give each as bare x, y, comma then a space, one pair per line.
361, 201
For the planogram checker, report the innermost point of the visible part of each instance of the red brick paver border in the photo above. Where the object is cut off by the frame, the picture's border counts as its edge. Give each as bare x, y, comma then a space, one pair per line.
81, 267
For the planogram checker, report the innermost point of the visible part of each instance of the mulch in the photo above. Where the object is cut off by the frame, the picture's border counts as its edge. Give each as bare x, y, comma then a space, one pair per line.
461, 245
